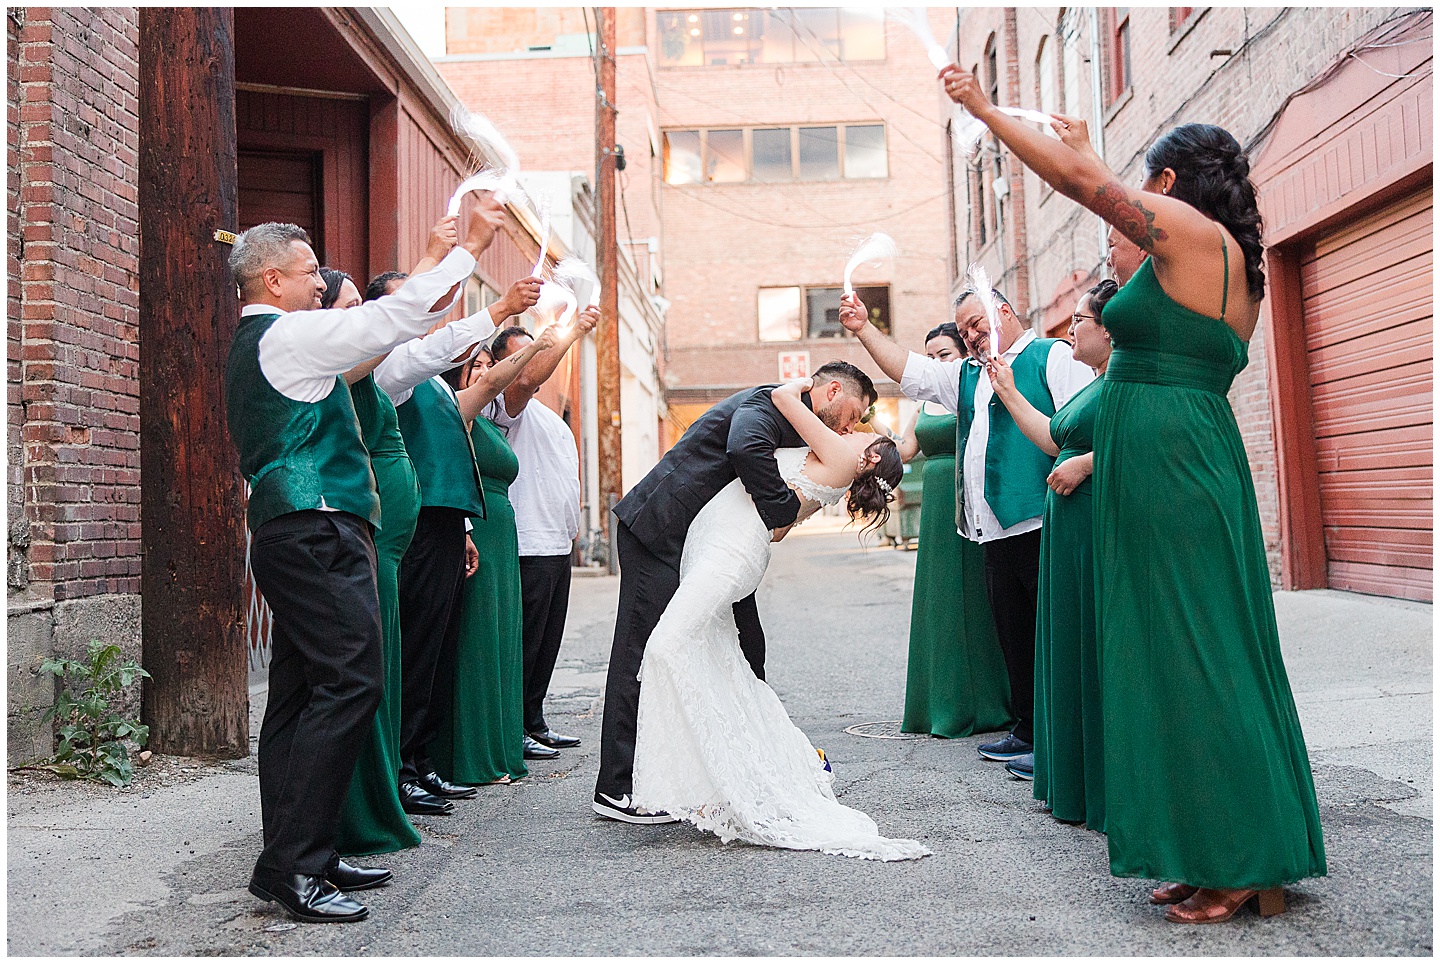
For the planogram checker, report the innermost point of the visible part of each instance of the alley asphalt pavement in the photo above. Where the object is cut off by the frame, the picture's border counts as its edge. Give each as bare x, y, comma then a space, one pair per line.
161, 867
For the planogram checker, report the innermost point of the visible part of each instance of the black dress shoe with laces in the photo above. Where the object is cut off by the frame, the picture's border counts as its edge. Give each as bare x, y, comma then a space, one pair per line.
538, 751
347, 877
416, 800
441, 787
312, 899
555, 741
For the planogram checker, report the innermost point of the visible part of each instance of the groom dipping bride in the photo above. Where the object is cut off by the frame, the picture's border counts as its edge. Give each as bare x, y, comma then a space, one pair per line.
690, 729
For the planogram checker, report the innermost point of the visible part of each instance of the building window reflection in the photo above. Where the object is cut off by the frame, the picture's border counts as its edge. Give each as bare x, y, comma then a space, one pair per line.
781, 35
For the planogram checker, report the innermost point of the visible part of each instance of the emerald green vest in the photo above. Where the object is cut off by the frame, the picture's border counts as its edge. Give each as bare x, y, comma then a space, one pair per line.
441, 449
295, 455
1015, 468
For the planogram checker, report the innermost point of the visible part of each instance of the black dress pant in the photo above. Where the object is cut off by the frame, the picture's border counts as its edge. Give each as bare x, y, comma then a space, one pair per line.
432, 575
1012, 580
647, 583
545, 595
316, 571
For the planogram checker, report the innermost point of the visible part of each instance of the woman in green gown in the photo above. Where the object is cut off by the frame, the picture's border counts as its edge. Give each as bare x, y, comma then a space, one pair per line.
1208, 782
1069, 762
956, 684
483, 742
372, 821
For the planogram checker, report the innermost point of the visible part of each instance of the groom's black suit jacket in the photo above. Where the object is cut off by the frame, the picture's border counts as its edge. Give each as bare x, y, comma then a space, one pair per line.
736, 438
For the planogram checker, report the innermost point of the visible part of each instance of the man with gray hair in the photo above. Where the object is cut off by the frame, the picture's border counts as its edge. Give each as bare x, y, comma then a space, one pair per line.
1001, 474
312, 511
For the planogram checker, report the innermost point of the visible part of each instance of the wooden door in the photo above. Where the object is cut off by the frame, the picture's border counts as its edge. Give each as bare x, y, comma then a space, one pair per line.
1368, 327
282, 186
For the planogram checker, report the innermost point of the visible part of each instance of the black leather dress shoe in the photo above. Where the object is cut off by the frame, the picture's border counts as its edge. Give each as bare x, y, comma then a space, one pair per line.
347, 877
311, 899
555, 741
536, 751
415, 799
441, 787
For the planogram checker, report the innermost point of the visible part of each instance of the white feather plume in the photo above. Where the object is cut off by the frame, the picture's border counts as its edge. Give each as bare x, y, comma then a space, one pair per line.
489, 146
874, 250
979, 282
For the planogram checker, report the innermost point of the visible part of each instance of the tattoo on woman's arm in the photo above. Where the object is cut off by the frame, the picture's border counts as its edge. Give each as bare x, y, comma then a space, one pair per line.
1134, 220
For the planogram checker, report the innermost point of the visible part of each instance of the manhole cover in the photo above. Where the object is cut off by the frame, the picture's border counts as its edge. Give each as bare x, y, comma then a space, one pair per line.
882, 730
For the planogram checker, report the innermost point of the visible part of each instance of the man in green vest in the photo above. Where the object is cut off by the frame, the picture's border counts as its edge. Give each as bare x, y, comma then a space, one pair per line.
312, 511
1000, 474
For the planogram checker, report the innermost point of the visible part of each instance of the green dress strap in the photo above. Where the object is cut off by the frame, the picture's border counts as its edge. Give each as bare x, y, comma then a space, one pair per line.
1224, 256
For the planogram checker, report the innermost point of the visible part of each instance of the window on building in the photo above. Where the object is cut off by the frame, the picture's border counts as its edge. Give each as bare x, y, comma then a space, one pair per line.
822, 309
780, 314
478, 295
992, 70
819, 153
682, 157
724, 37
865, 151
725, 156
782, 318
776, 154
1045, 79
1117, 52
1179, 16
977, 203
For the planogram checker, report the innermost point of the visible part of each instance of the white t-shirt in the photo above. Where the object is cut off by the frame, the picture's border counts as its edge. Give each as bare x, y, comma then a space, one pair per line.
546, 493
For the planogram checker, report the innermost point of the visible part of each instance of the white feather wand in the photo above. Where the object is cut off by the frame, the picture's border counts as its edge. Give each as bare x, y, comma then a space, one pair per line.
979, 282
557, 304
544, 205
496, 160
873, 250
966, 128
571, 272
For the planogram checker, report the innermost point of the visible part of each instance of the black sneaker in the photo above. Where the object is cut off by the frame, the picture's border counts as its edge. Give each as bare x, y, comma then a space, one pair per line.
1003, 751
625, 812
1022, 767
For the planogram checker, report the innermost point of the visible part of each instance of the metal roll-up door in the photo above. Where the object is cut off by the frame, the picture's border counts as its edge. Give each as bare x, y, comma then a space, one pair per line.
1368, 327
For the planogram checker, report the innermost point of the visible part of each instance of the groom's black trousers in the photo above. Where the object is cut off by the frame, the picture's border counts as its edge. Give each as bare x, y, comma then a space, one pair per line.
647, 583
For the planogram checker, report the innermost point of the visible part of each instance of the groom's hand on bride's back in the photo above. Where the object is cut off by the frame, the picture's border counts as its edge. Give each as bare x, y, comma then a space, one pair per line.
777, 534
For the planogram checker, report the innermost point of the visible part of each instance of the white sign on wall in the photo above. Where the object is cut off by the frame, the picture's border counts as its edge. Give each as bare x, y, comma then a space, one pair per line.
794, 364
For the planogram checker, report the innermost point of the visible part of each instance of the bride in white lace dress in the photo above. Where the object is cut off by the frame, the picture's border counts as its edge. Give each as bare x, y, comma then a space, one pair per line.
714, 745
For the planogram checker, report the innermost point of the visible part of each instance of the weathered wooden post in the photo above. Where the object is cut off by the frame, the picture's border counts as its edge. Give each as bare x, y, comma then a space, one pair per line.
192, 527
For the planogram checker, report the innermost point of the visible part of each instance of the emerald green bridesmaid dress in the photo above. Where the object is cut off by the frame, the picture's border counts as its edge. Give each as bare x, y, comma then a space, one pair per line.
1069, 746
1207, 780
484, 738
956, 684
372, 821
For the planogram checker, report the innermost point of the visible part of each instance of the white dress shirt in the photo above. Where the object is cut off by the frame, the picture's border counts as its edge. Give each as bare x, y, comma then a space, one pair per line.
430, 355
546, 493
303, 351
929, 380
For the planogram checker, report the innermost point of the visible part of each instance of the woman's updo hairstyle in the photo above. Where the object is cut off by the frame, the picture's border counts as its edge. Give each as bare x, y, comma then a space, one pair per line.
1212, 175
1100, 296
946, 329
868, 498
333, 278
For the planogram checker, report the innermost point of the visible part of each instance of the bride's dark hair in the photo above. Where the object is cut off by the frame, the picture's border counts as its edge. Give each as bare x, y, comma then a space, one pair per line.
867, 499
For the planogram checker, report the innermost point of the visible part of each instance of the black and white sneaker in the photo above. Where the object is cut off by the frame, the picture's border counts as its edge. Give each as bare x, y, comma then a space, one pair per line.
625, 812
1003, 751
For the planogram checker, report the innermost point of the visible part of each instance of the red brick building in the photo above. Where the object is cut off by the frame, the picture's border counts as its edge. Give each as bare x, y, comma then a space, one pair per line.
1335, 106
761, 146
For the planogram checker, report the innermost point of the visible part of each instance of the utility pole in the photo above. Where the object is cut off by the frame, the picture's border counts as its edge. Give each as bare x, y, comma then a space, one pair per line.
607, 335
192, 504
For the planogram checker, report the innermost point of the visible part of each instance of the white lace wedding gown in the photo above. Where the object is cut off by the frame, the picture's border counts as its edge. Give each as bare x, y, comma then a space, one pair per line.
714, 746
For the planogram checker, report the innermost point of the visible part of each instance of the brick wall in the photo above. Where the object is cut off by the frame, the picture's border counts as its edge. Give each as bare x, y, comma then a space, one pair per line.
78, 408
1174, 80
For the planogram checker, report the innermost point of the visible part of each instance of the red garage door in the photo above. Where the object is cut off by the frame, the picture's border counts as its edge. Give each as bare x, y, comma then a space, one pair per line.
1368, 328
